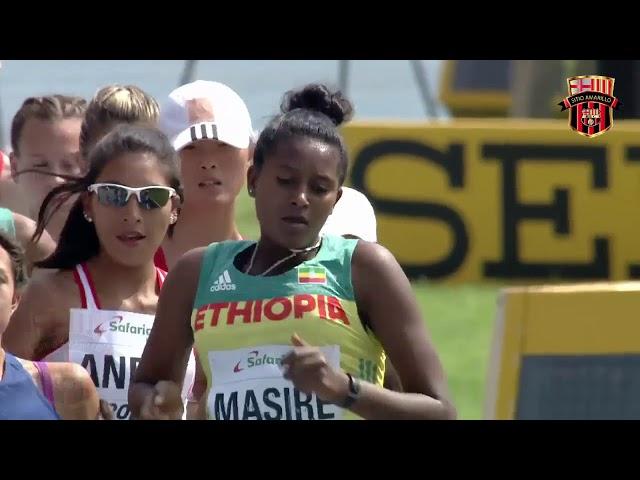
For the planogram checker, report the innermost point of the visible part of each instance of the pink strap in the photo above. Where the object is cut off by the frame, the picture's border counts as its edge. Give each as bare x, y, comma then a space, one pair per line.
45, 378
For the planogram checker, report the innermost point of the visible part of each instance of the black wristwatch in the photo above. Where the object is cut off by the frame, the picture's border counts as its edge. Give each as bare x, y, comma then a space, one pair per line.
354, 392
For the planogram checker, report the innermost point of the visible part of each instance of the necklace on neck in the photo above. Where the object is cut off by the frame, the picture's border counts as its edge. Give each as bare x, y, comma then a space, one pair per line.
293, 253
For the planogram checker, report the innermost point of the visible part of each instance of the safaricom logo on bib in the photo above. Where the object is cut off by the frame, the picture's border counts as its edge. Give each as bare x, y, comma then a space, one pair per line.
129, 328
116, 325
255, 360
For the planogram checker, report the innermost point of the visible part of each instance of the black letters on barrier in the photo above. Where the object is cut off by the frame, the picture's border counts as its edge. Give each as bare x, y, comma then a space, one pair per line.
451, 161
514, 212
633, 155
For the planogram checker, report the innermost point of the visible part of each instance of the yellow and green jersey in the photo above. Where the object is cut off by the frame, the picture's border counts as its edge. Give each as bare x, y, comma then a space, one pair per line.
243, 325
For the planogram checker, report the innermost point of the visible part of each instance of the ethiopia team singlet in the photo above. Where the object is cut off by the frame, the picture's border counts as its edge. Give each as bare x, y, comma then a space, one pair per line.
243, 325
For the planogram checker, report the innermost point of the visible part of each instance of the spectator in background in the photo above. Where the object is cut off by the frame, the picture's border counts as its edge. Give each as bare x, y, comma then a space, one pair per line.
210, 128
111, 106
45, 142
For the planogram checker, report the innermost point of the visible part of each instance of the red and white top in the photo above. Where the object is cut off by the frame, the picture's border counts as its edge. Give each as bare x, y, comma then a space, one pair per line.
89, 300
109, 344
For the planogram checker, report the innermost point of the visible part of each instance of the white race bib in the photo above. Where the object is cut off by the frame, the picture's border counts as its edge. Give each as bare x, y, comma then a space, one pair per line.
109, 344
248, 385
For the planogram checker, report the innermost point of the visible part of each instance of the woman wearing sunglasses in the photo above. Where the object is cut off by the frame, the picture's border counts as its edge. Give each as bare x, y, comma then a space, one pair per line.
95, 303
296, 325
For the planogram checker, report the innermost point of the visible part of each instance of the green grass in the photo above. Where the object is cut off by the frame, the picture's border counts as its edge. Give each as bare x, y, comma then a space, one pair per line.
246, 216
460, 319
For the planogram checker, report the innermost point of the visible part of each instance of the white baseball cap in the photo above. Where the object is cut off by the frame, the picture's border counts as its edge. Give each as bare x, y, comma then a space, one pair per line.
205, 110
352, 215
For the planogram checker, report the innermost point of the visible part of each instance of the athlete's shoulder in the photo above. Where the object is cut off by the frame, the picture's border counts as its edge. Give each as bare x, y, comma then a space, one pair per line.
229, 244
25, 228
24, 225
372, 256
189, 261
213, 248
52, 279
52, 293
74, 391
224, 249
335, 243
71, 378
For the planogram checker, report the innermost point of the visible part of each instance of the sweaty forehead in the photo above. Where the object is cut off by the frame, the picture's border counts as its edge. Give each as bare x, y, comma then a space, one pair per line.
200, 110
302, 148
311, 155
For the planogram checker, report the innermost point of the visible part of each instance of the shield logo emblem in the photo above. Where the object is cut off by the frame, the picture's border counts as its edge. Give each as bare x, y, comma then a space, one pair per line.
591, 103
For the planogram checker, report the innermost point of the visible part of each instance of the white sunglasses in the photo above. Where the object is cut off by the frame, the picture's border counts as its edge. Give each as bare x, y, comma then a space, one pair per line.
114, 195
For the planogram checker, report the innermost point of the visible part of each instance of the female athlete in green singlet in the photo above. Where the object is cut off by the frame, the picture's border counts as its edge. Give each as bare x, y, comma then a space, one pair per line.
297, 325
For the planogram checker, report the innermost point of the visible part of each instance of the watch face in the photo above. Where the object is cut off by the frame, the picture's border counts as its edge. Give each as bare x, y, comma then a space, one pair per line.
354, 385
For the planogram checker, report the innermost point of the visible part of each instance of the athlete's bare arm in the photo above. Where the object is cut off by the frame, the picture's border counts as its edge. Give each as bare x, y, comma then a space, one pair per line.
384, 294
391, 378
40, 324
161, 370
74, 393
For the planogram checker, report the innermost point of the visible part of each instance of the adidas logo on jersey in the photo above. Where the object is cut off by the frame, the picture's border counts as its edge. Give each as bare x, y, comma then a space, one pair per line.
223, 283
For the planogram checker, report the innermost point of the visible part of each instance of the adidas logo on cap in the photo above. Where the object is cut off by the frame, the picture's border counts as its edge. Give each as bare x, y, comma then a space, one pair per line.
223, 283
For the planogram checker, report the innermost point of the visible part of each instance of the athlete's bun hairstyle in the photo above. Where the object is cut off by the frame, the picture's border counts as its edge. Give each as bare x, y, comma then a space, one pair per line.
319, 98
313, 111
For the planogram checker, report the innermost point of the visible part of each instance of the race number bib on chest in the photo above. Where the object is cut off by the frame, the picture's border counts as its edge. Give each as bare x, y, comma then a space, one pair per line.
248, 385
109, 345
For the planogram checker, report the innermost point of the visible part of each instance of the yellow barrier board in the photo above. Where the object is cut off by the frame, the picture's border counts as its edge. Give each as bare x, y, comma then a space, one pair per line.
467, 200
566, 352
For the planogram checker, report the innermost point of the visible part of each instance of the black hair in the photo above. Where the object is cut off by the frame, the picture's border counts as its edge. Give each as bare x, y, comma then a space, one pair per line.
78, 240
17, 257
313, 111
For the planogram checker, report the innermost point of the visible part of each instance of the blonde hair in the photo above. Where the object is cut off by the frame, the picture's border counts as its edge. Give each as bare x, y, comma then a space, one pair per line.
114, 105
48, 108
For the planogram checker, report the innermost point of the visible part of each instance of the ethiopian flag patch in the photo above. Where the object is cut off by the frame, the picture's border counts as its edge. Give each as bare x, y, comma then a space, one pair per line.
312, 275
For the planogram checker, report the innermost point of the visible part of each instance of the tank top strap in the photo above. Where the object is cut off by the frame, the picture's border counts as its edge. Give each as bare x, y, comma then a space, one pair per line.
160, 260
160, 276
219, 256
88, 295
20, 397
336, 255
47, 382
